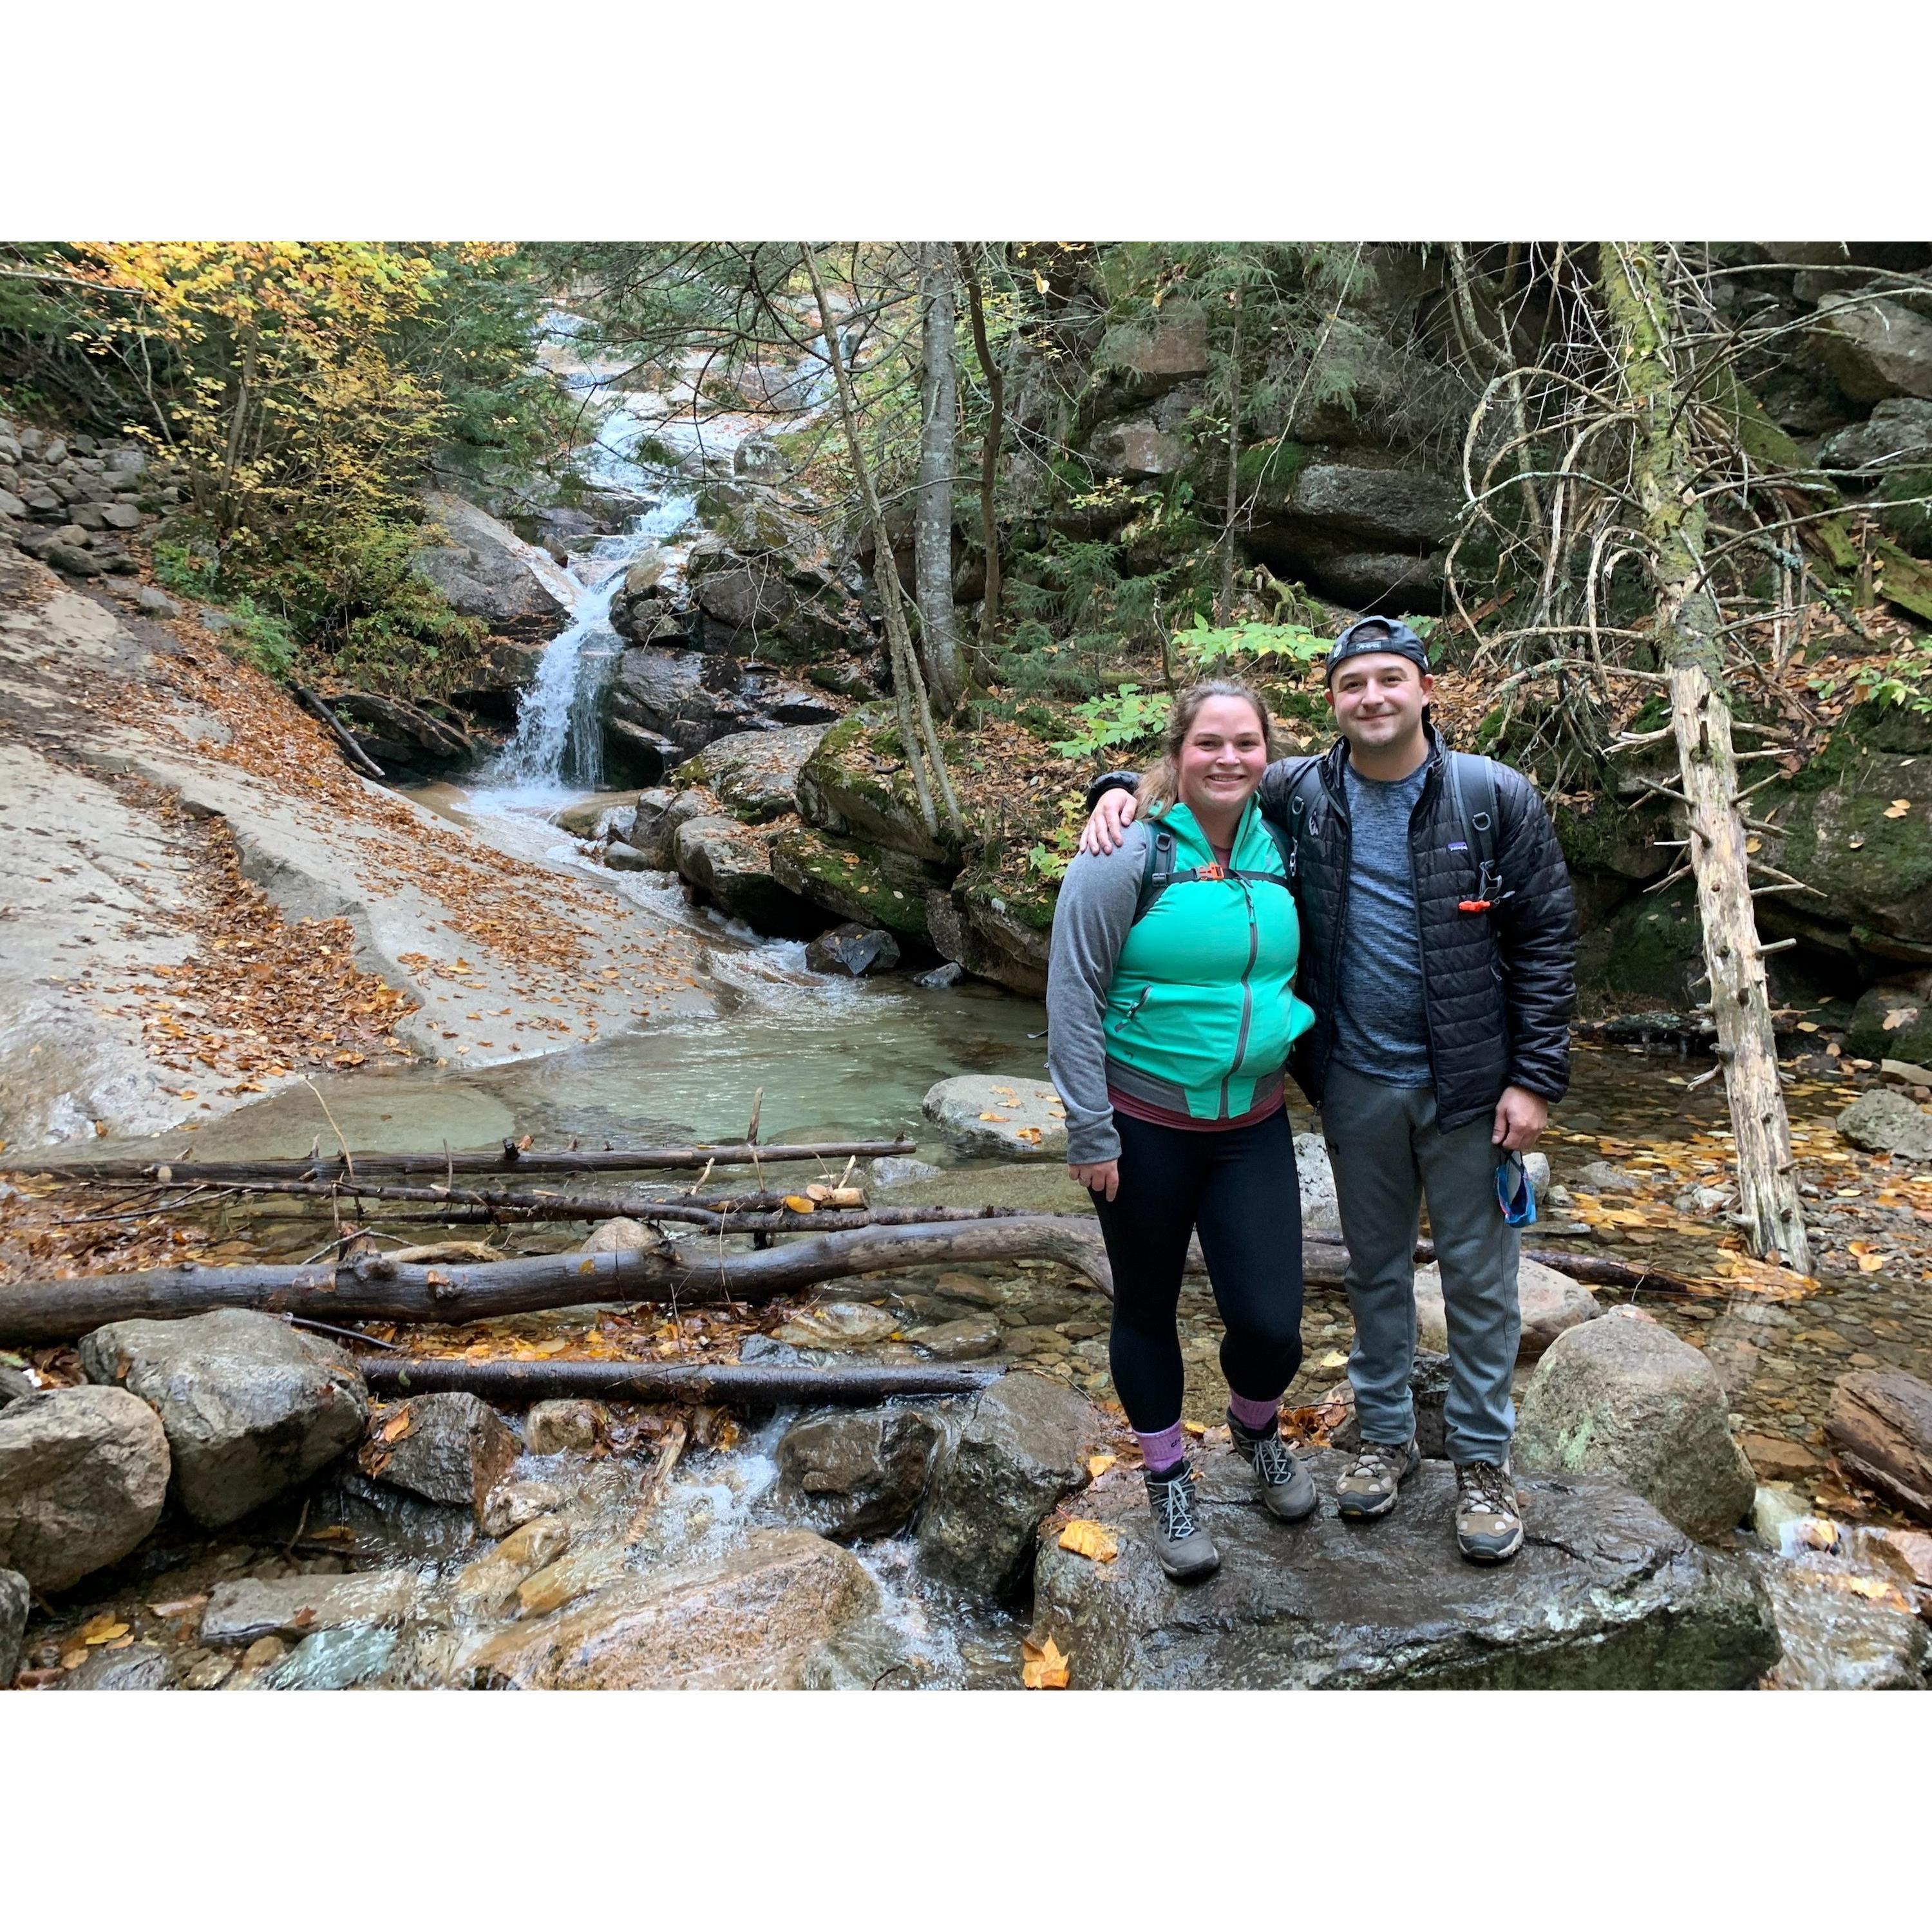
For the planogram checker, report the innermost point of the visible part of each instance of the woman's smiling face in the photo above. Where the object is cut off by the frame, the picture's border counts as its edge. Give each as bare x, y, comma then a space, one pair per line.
1223, 757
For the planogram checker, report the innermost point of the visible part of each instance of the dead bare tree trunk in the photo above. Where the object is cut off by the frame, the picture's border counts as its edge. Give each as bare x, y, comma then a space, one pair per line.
916, 728
938, 453
371, 1288
989, 456
1690, 633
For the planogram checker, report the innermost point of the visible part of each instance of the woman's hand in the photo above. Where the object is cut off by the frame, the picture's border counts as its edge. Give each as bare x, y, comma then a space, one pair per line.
1107, 826
1103, 1177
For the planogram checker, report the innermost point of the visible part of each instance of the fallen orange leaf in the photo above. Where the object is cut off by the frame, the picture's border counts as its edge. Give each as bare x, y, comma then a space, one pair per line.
1043, 1667
1085, 1538
799, 1204
1097, 1466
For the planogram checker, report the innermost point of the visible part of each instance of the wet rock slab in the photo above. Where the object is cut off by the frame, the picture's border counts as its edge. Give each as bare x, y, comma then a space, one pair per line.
753, 1618
1606, 1594
241, 1612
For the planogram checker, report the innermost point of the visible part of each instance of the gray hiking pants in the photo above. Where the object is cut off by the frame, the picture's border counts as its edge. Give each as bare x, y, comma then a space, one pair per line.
1387, 1155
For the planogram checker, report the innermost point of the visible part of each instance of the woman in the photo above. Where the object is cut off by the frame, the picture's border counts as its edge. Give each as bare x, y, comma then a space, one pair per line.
1170, 1012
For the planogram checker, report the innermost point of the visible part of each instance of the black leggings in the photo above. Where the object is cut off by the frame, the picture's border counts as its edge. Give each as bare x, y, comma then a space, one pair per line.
1239, 1188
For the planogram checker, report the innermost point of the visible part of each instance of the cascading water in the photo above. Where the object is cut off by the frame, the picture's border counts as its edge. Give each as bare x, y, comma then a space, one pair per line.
559, 744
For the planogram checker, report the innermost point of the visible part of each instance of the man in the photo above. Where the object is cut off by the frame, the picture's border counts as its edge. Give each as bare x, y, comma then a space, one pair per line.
1437, 952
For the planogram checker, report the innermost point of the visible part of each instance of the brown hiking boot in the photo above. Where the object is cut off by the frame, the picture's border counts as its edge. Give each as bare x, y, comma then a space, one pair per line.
1368, 1485
1488, 1524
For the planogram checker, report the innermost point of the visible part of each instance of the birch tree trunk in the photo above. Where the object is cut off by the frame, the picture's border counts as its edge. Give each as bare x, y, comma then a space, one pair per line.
917, 730
1224, 601
1690, 633
938, 447
989, 456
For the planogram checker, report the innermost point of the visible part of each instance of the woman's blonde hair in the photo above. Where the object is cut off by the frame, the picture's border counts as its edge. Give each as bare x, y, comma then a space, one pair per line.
1161, 786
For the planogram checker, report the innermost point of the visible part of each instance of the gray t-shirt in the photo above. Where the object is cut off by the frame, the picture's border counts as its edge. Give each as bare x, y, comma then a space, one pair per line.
1380, 1030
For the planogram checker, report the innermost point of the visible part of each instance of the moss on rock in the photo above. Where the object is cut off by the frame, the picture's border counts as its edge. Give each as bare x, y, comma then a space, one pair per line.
874, 884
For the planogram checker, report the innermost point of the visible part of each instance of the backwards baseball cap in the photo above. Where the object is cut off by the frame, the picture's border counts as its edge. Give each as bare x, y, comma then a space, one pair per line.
1377, 635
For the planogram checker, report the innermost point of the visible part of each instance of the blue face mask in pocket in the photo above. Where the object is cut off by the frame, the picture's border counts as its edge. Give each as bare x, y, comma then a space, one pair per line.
1515, 1196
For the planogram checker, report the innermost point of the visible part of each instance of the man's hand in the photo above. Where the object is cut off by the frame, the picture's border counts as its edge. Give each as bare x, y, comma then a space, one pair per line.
1102, 1178
1107, 825
1521, 1116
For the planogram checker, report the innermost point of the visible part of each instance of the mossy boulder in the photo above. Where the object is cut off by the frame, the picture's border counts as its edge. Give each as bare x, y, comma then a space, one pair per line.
997, 928
1857, 825
871, 883
1649, 952
1893, 1021
753, 775
856, 785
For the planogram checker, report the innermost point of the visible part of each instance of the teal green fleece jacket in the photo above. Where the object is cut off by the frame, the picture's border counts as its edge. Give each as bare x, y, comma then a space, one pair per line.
1193, 1006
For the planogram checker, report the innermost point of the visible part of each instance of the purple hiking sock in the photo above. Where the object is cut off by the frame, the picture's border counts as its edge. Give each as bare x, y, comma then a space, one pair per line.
1254, 1416
1161, 1451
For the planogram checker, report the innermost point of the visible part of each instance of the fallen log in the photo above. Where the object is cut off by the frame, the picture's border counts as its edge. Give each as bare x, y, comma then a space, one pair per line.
746, 1385
369, 1287
759, 1213
185, 1171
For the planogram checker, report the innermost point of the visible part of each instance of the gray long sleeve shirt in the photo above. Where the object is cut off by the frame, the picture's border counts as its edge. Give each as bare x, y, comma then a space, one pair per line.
1090, 924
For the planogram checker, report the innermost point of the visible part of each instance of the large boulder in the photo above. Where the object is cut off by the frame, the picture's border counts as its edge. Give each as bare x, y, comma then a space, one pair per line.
752, 1619
503, 673
83, 1475
855, 1474
251, 1406
997, 930
395, 732
452, 1448
1880, 1425
731, 866
1893, 1021
753, 775
16, 1600
1874, 348
664, 694
1168, 348
485, 570
1551, 1304
1017, 1449
1856, 826
1897, 436
1883, 1121
1623, 1396
871, 884
1407, 510
1606, 1594
1019, 1119
854, 787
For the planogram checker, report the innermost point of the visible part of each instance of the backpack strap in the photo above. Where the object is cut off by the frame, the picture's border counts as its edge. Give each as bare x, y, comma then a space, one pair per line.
1288, 839
1157, 874
1472, 790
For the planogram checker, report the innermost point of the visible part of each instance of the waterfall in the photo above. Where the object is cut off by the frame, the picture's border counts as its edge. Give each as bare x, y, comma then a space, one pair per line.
558, 742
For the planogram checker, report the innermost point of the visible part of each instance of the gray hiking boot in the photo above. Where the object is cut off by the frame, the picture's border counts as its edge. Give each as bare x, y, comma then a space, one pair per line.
1488, 1524
1181, 1546
1287, 1488
1368, 1485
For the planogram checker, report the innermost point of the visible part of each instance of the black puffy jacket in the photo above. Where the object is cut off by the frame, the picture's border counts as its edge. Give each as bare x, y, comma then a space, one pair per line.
1499, 986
